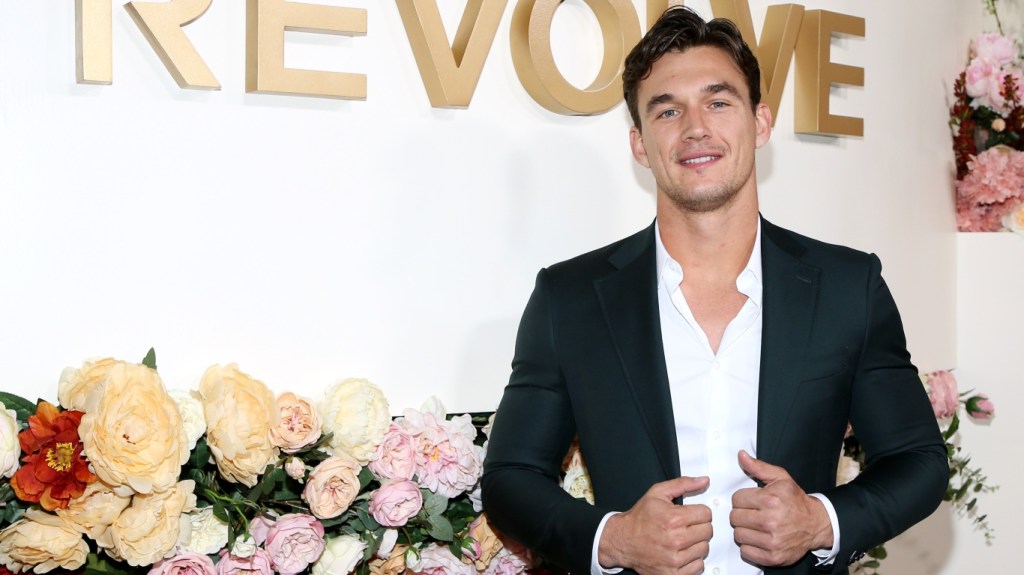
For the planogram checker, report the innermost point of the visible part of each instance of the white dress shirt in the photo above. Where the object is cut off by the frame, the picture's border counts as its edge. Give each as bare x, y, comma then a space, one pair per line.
714, 404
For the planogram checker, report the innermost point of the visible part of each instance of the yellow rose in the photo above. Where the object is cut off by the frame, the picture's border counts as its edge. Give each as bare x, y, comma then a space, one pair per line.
487, 544
79, 388
299, 424
356, 411
151, 526
95, 510
133, 435
240, 412
41, 542
393, 565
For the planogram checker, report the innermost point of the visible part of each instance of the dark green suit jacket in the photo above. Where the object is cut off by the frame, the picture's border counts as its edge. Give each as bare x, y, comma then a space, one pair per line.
589, 362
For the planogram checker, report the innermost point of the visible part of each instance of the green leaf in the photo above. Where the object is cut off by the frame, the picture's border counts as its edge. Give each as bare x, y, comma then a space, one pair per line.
367, 519
150, 359
954, 425
201, 454
872, 564
434, 504
365, 477
440, 528
22, 407
221, 513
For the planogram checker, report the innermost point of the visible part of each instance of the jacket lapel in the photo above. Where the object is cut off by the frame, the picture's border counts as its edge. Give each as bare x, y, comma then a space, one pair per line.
629, 299
790, 295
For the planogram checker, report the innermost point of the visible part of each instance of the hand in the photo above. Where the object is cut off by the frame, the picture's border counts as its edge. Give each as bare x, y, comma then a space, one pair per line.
658, 536
777, 524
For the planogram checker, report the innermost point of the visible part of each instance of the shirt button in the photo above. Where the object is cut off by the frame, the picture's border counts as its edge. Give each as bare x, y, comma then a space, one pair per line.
716, 365
716, 571
716, 501
715, 435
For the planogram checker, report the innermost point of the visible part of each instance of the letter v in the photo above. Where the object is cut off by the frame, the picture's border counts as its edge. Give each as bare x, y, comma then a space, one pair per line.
450, 73
778, 42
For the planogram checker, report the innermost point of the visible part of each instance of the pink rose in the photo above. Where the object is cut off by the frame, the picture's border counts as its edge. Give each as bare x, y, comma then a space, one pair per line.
259, 527
294, 542
299, 425
942, 393
437, 560
256, 564
980, 406
185, 564
997, 87
396, 455
996, 48
395, 503
295, 468
979, 77
332, 486
447, 461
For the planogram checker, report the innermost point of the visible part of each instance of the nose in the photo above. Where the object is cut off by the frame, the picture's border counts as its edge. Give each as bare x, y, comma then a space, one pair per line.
695, 126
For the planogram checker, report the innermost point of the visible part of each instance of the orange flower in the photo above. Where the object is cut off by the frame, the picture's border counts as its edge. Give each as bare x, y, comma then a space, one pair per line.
54, 470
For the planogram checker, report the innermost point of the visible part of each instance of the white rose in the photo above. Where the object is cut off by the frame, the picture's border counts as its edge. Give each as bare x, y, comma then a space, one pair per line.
244, 547
1014, 221
209, 534
340, 555
387, 543
357, 413
10, 449
577, 483
295, 469
192, 417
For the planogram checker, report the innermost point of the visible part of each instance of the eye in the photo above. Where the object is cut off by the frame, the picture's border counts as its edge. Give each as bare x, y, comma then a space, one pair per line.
719, 104
669, 113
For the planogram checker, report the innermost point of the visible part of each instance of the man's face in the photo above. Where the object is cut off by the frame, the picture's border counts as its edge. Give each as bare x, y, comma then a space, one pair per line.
698, 130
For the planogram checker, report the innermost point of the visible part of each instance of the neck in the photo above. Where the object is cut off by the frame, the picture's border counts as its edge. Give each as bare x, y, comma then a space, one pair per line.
713, 245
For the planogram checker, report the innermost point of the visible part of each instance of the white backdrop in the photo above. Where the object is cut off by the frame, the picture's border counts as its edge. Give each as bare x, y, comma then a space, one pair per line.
309, 239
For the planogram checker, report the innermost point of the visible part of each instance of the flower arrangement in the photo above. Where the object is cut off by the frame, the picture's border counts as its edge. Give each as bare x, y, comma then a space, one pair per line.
126, 477
966, 482
987, 122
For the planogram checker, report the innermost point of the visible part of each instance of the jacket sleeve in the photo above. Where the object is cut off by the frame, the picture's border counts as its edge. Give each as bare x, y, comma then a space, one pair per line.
907, 469
532, 431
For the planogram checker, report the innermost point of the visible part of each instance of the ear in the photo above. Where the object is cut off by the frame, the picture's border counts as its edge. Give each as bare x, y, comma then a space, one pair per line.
636, 144
762, 124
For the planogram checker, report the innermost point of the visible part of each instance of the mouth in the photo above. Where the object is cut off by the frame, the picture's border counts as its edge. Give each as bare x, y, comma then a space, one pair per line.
699, 159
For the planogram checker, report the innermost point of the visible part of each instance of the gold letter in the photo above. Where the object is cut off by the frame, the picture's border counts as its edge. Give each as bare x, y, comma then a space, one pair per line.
775, 50
161, 23
815, 74
93, 44
450, 73
266, 22
535, 64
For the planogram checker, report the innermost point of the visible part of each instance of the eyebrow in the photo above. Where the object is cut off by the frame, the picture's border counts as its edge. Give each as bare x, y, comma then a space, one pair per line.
715, 88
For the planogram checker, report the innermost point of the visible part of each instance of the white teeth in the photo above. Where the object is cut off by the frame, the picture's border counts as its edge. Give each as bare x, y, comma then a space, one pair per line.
699, 160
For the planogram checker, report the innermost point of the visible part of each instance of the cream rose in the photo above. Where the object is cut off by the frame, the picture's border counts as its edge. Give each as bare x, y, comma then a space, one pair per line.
299, 424
486, 543
340, 555
79, 389
41, 542
149, 529
133, 435
208, 534
10, 449
192, 418
356, 411
95, 510
332, 486
240, 412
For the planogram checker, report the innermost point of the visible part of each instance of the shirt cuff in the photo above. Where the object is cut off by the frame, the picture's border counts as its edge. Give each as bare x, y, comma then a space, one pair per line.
595, 566
824, 557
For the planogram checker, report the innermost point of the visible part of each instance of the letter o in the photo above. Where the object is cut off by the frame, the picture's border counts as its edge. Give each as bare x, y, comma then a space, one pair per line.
535, 64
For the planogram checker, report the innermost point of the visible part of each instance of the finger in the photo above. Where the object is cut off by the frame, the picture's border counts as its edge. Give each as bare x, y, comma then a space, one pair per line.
759, 470
679, 487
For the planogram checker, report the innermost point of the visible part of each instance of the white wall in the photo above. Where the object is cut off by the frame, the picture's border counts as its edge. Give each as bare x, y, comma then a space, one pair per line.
310, 239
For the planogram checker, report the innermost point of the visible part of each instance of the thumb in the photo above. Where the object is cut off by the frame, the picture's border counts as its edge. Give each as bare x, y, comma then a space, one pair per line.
759, 470
680, 486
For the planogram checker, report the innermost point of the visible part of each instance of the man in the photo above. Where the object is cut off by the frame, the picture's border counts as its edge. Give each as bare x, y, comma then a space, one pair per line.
683, 352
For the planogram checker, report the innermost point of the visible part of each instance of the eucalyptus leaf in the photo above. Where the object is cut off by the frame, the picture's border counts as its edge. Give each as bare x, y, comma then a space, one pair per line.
441, 528
433, 504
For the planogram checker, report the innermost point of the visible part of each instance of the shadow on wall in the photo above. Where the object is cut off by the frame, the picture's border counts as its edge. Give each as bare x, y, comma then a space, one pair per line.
924, 549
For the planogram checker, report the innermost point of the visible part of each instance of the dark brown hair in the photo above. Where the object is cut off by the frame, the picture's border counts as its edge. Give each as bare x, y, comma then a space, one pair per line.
678, 30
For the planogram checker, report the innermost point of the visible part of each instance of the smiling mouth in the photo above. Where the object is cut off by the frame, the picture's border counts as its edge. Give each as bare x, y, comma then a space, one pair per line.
699, 160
